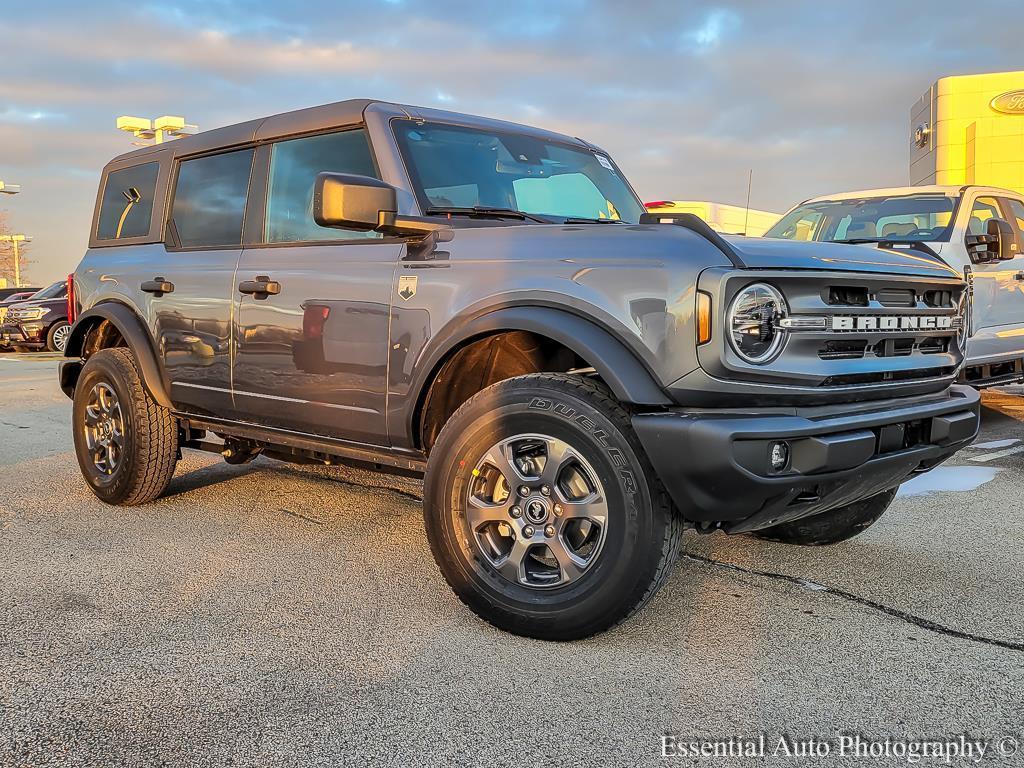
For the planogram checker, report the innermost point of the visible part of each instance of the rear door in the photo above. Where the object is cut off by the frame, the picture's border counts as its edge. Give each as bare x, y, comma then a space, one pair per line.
192, 323
313, 357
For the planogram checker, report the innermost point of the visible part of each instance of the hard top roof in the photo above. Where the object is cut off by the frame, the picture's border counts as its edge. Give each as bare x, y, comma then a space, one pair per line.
313, 119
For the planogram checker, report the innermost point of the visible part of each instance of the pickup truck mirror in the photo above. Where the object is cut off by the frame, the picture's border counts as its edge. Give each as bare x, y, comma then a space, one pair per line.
348, 201
998, 242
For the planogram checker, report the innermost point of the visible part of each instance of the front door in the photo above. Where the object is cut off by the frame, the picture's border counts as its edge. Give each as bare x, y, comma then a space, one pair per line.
312, 349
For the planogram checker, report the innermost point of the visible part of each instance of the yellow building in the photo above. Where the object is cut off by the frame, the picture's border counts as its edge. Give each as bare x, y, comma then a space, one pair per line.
970, 130
728, 219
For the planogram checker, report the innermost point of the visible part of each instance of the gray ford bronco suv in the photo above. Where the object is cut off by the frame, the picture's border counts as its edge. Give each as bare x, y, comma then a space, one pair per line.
488, 305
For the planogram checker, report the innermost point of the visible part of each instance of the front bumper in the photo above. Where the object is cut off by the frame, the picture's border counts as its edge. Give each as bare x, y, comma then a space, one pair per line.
11, 335
31, 335
716, 467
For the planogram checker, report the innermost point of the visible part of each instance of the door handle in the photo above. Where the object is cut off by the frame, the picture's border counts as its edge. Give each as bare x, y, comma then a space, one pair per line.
158, 286
261, 287
1019, 276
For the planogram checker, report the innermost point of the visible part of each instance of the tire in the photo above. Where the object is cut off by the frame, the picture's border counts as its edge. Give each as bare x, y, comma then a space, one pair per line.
614, 534
57, 336
110, 401
833, 526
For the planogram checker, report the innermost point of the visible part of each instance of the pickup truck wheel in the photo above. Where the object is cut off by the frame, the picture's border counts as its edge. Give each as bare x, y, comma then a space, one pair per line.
126, 444
57, 337
833, 526
543, 512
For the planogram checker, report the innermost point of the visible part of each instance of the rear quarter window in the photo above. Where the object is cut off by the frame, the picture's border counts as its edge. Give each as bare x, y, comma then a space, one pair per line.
127, 206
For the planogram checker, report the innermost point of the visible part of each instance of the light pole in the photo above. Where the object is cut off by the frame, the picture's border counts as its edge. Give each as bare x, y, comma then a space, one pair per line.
14, 240
158, 129
9, 189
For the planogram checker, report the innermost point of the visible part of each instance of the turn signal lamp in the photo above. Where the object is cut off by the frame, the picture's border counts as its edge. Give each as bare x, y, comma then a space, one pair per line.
703, 317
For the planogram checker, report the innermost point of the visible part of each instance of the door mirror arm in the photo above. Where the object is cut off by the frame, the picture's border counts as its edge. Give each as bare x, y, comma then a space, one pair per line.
413, 226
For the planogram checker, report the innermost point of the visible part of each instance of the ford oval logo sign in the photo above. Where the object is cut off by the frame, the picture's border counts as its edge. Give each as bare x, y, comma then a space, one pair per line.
1009, 103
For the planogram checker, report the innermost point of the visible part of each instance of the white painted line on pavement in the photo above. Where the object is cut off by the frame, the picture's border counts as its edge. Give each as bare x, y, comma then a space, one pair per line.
998, 454
992, 445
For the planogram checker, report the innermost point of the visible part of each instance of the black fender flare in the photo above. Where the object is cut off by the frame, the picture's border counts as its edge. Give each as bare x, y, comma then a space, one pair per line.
628, 377
135, 335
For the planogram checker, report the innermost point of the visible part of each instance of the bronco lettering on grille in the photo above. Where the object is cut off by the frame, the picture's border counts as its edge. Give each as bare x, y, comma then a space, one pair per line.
893, 323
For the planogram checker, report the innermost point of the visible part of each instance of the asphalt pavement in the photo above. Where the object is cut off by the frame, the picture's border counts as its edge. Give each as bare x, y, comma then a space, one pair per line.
275, 615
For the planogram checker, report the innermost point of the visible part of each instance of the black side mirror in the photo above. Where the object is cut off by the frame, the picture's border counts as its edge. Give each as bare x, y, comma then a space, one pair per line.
1006, 244
352, 202
363, 203
997, 243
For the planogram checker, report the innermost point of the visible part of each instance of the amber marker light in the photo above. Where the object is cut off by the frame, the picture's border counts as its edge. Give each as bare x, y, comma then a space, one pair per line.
703, 317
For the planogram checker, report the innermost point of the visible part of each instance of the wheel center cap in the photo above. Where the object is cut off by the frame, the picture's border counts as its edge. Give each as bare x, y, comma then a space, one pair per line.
536, 511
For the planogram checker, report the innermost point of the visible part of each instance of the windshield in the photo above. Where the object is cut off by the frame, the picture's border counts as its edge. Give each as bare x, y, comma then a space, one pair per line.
455, 167
903, 218
55, 291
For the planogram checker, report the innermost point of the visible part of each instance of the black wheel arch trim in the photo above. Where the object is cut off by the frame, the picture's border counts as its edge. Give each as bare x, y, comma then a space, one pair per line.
629, 378
137, 338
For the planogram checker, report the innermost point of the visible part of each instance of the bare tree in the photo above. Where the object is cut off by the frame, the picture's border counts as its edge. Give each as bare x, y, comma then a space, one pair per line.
7, 255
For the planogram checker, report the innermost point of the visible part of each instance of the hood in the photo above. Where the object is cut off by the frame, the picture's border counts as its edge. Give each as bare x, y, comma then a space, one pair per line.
770, 253
664, 242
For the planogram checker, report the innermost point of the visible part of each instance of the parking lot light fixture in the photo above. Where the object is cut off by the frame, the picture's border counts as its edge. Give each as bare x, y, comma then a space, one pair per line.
15, 241
158, 129
9, 189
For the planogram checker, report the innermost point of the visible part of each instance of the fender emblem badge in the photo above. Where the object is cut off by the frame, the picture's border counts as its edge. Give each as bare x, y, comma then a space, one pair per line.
407, 286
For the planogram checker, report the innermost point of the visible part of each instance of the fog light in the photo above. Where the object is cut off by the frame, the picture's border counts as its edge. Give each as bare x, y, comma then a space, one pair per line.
779, 456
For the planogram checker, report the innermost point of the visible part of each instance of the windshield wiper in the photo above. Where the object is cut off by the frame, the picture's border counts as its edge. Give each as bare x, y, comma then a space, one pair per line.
861, 240
585, 220
484, 212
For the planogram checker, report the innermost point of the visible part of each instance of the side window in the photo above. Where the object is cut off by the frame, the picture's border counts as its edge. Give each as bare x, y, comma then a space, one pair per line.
209, 199
127, 205
294, 166
985, 208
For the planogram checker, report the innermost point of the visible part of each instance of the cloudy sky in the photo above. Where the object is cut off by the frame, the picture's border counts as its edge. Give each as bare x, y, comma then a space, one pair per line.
688, 96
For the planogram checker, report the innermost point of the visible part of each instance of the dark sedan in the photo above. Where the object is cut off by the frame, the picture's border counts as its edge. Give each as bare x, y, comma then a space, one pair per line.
38, 322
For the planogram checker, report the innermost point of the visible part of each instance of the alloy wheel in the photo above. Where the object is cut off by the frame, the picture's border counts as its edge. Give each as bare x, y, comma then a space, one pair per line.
536, 510
61, 336
104, 429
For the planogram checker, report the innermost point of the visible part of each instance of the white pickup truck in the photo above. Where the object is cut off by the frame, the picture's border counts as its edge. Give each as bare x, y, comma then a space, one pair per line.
977, 230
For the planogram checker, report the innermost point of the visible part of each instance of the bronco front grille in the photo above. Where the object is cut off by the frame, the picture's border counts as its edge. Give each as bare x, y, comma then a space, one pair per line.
847, 329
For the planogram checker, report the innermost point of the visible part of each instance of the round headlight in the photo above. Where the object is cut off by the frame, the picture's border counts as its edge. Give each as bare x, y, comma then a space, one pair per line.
751, 323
